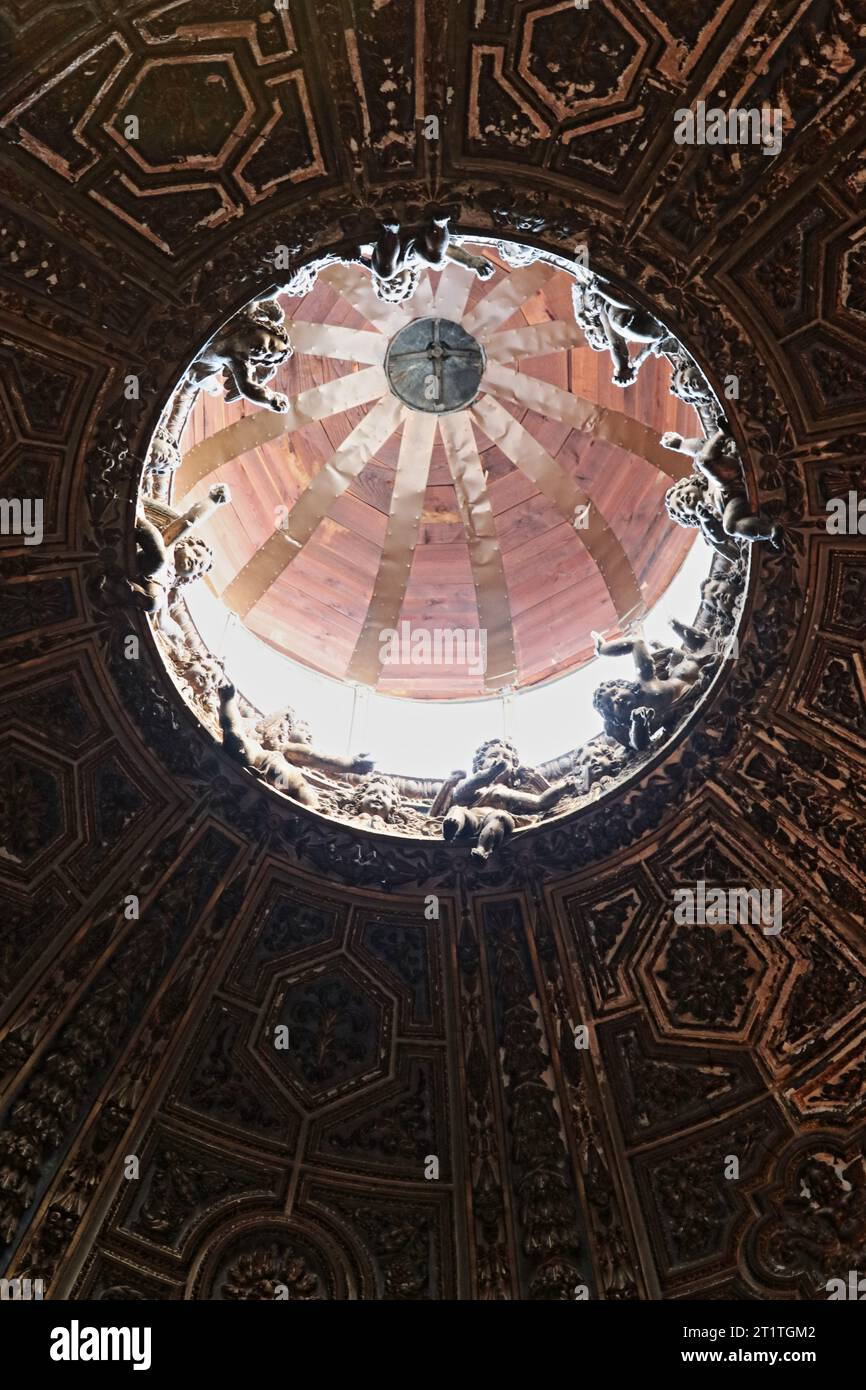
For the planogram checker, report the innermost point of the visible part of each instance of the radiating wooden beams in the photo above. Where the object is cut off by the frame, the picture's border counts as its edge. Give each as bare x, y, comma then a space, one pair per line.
357, 388
610, 425
313, 505
401, 538
488, 573
571, 502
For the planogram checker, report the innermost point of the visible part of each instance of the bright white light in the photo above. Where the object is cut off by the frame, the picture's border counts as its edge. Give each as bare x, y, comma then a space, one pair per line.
430, 738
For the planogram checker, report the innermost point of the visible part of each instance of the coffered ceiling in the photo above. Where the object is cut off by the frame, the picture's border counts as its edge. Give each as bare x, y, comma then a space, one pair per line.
300, 127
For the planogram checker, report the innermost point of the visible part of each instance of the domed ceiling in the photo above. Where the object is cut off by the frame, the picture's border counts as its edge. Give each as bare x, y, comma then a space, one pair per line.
555, 526
163, 913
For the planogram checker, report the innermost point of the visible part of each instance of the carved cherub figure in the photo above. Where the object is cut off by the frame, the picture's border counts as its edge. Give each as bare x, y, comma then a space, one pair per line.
696, 646
601, 757
498, 781
400, 253
714, 498
524, 803
273, 767
490, 828
168, 560
285, 726
634, 711
377, 796
248, 351
610, 324
163, 456
721, 593
202, 672
690, 386
285, 733
495, 760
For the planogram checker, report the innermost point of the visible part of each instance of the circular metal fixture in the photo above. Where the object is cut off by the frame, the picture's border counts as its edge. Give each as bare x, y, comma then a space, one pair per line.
435, 365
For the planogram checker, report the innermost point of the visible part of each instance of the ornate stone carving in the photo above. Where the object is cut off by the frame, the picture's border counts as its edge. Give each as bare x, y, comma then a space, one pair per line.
272, 1273
485, 1162
40, 1119
178, 1188
689, 1200
611, 324
247, 351
272, 767
706, 974
399, 253
376, 797
634, 712
162, 572
399, 1235
543, 1189
163, 455
333, 1030
402, 1130
498, 781
713, 498
817, 1229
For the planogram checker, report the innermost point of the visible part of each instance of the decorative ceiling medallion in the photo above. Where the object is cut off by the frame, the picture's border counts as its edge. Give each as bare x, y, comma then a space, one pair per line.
435, 365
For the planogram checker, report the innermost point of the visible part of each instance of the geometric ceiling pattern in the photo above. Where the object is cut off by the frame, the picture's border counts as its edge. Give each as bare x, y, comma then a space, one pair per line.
164, 916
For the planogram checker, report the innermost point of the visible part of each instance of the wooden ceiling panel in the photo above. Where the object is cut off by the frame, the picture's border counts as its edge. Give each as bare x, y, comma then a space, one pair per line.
567, 563
325, 572
359, 517
545, 557
523, 523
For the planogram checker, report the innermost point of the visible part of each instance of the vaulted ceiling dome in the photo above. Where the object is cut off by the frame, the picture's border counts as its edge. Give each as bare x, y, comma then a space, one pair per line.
461, 462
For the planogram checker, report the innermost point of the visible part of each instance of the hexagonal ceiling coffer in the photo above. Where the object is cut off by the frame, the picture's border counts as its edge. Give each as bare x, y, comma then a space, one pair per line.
593, 73
36, 824
337, 1032
190, 111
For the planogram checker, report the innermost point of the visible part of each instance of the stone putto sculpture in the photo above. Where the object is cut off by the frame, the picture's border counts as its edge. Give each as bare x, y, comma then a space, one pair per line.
721, 594
285, 726
634, 712
498, 782
598, 761
290, 736
689, 385
714, 498
489, 828
163, 456
610, 324
400, 253
376, 797
272, 766
168, 560
247, 351
203, 674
